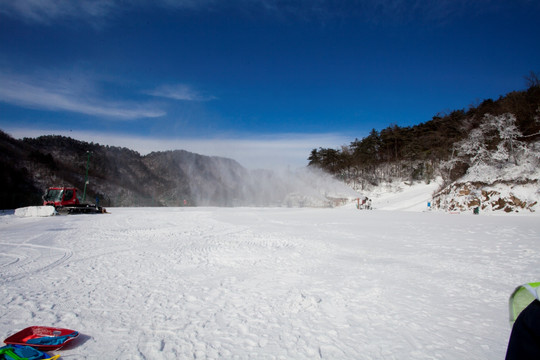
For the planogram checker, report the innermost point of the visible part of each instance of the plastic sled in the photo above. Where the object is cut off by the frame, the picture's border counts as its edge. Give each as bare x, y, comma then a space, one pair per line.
19, 352
42, 337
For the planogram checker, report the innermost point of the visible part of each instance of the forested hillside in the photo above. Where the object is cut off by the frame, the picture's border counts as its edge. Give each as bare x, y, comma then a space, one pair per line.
123, 177
416, 152
496, 141
117, 176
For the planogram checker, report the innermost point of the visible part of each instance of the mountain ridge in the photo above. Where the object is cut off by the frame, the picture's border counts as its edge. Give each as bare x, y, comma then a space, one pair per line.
123, 177
117, 176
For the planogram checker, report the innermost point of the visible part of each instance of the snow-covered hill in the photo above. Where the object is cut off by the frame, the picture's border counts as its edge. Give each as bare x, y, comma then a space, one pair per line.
503, 180
488, 158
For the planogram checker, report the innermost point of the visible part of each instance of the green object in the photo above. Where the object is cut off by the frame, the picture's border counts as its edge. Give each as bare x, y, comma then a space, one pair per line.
8, 353
522, 296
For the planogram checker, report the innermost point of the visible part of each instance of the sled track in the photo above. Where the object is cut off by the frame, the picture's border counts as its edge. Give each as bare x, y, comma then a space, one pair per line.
40, 260
11, 263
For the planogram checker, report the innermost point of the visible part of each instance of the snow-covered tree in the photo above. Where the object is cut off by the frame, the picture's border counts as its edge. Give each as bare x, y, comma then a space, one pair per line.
474, 146
499, 131
508, 132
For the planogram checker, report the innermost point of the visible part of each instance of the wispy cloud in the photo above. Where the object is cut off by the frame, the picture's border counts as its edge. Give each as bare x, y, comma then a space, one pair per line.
57, 94
92, 11
376, 11
180, 92
47, 11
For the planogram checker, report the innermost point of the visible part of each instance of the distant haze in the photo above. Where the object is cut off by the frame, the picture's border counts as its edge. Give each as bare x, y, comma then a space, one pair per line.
277, 152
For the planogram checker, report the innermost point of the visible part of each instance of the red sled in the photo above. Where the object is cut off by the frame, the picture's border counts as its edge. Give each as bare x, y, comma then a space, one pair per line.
43, 338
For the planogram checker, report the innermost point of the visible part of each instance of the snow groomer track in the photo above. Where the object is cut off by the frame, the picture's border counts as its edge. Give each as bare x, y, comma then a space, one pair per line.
259, 283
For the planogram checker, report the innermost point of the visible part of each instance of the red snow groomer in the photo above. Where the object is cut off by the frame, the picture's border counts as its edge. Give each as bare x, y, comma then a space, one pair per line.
66, 201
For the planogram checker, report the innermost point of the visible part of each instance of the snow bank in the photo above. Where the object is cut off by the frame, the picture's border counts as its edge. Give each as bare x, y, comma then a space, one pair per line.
268, 283
32, 211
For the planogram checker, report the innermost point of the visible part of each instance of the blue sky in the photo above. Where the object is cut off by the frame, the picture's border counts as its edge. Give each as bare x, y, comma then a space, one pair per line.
262, 81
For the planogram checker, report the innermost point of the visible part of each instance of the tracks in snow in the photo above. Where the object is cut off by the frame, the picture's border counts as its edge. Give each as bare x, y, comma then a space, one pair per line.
267, 283
30, 259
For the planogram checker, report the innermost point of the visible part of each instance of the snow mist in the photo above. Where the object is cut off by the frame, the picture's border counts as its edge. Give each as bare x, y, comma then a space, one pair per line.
293, 188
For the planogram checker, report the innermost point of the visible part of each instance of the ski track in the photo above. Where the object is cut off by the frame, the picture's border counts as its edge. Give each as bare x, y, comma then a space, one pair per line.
213, 283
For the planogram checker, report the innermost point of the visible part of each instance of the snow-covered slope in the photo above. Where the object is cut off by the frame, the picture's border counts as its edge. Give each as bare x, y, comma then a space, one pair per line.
403, 196
494, 198
268, 283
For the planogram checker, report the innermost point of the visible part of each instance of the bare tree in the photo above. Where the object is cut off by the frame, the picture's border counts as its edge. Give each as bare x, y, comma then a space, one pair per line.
532, 80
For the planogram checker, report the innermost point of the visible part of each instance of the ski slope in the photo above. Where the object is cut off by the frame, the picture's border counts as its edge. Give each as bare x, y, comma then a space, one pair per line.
268, 283
403, 197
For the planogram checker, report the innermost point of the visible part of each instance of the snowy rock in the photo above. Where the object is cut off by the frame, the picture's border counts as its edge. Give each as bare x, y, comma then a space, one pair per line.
498, 197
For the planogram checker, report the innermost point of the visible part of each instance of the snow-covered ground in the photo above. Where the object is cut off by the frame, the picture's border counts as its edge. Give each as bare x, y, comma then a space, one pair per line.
269, 283
402, 196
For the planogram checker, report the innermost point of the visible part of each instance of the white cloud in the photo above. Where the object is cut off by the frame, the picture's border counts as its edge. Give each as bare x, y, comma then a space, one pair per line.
46, 11
180, 92
92, 11
256, 152
57, 94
